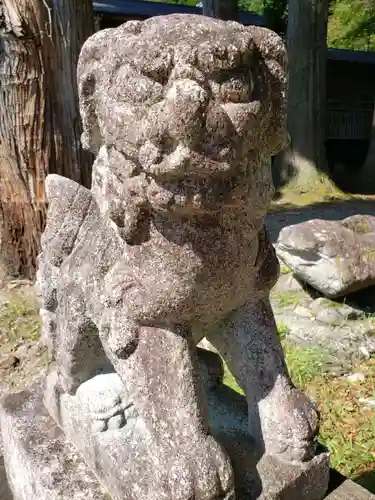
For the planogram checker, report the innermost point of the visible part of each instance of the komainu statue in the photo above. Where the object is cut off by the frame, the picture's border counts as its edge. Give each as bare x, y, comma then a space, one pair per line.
169, 246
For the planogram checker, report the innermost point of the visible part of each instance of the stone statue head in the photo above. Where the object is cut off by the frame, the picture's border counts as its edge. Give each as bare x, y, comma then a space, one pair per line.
187, 109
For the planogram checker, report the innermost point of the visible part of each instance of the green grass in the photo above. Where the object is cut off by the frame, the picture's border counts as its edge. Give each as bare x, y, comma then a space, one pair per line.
283, 330
230, 381
287, 299
304, 364
284, 269
19, 319
347, 427
321, 190
331, 304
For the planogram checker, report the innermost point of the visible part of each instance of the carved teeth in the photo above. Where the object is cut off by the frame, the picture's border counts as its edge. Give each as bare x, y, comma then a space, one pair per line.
112, 412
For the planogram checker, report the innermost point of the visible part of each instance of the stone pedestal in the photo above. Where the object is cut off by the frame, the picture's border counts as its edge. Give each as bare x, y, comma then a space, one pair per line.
43, 464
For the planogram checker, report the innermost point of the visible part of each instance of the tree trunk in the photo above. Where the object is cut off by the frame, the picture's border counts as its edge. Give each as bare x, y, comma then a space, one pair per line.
365, 183
40, 125
307, 53
222, 9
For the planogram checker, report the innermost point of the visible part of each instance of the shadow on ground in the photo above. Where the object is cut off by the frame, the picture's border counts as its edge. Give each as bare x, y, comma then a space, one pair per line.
5, 493
367, 480
287, 215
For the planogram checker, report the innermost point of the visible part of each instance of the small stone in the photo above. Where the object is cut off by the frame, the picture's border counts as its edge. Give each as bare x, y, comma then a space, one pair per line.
356, 377
287, 283
322, 303
23, 350
365, 352
367, 402
350, 313
329, 317
335, 369
9, 362
19, 283
303, 312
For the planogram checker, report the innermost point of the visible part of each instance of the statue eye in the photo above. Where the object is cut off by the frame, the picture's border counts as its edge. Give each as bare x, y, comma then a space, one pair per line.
236, 89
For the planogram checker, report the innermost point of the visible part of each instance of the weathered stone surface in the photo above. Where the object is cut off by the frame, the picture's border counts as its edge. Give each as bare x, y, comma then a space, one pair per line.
102, 399
345, 340
40, 463
287, 283
269, 478
335, 257
329, 316
169, 246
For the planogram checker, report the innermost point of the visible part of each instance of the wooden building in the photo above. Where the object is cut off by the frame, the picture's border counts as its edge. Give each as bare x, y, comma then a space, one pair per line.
350, 80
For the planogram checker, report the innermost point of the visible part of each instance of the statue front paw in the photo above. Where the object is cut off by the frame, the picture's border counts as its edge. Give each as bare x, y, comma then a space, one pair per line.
290, 425
200, 469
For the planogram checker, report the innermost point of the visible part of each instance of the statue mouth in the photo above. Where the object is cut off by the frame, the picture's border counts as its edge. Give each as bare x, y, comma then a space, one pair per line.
185, 162
209, 193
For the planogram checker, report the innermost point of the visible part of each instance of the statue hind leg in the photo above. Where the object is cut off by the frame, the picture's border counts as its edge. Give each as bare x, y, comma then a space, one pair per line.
282, 420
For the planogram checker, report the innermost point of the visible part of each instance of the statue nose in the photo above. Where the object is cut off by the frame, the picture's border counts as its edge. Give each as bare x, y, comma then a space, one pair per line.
185, 111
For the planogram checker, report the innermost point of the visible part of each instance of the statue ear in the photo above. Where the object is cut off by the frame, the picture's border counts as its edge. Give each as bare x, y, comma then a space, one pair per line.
270, 46
272, 52
92, 53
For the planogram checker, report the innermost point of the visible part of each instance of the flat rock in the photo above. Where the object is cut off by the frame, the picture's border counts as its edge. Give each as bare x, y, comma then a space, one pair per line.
329, 316
346, 340
40, 463
304, 312
287, 283
334, 257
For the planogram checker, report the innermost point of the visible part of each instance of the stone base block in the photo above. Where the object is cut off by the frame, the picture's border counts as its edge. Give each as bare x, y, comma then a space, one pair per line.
40, 463
269, 478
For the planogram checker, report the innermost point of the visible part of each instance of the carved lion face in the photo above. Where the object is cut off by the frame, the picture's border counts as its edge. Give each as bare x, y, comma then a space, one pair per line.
196, 105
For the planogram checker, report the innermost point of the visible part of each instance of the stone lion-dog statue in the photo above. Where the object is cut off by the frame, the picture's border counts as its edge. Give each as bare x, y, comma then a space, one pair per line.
169, 246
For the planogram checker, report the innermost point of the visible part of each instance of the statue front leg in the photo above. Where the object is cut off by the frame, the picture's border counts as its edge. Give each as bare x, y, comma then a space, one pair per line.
177, 458
282, 420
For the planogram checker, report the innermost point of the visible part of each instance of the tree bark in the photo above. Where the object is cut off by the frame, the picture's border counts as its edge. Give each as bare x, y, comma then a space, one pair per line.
222, 9
365, 183
307, 53
40, 126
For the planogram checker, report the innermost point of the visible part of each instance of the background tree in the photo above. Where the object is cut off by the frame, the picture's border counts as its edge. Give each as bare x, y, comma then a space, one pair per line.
40, 126
352, 24
307, 52
251, 5
222, 9
275, 14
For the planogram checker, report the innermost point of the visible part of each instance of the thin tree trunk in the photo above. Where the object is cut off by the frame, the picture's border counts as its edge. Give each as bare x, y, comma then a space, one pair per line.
365, 183
222, 9
40, 124
307, 53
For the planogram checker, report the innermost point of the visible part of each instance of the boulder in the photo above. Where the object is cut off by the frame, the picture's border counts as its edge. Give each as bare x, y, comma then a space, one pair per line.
334, 257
